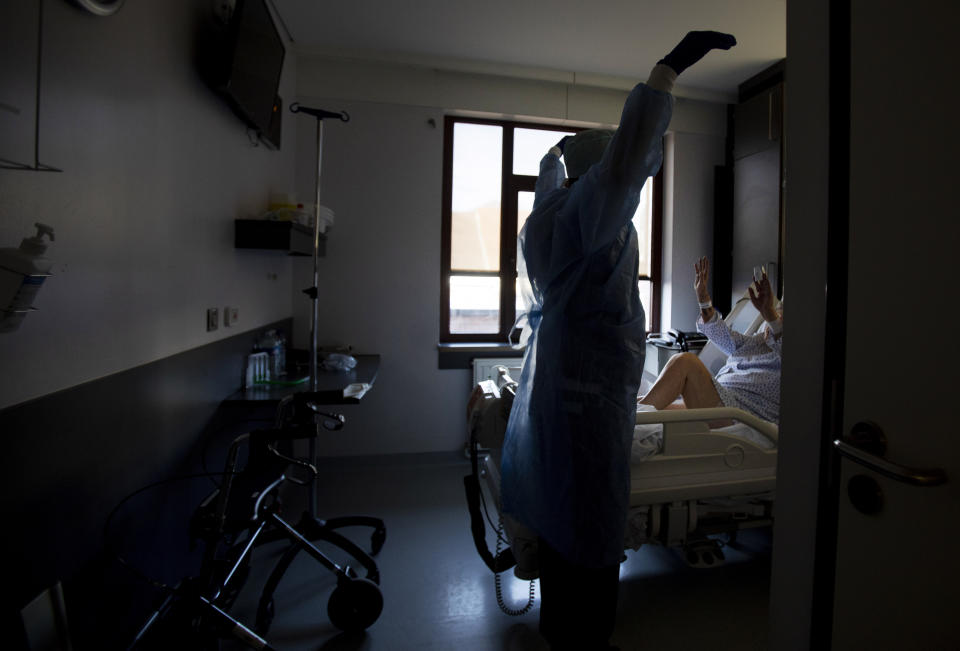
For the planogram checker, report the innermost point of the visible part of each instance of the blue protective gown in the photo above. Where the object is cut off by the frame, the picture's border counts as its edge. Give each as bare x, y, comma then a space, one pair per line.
565, 467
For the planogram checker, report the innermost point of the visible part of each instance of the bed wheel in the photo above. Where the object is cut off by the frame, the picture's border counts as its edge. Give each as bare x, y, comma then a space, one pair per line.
354, 605
704, 554
377, 539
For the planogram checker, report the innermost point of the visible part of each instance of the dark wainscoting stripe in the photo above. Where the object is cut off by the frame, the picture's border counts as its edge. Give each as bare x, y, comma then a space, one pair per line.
71, 456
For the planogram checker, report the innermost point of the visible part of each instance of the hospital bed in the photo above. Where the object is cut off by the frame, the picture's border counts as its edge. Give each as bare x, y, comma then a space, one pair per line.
688, 481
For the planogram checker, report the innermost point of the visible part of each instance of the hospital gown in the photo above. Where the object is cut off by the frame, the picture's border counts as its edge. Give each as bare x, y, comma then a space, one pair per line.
565, 469
750, 380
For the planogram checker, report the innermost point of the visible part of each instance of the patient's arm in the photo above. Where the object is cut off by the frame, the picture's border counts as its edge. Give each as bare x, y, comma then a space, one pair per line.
722, 336
774, 338
701, 280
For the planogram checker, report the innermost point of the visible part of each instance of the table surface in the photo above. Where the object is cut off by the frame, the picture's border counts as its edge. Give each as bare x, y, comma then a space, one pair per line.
333, 387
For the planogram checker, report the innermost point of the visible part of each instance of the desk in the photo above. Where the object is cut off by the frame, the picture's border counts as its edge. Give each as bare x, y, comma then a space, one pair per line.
333, 387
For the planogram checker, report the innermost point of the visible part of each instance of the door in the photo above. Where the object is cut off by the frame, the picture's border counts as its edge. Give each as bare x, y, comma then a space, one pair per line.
897, 568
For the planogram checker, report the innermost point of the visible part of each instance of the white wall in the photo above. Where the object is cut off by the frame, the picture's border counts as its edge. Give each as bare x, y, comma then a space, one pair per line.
156, 167
687, 222
380, 279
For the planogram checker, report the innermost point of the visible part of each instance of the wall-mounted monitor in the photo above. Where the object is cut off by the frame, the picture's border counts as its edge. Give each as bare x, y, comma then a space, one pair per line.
244, 62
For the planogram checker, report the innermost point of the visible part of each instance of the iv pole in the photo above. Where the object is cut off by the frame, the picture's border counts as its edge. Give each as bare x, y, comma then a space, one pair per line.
312, 292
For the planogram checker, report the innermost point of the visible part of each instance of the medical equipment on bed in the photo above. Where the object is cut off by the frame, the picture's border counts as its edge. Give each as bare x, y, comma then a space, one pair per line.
688, 482
487, 416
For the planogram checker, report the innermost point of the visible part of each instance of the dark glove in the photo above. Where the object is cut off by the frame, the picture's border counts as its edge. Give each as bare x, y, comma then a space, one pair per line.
694, 46
563, 143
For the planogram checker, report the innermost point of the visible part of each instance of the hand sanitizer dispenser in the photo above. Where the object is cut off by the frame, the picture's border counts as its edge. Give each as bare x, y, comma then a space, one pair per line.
22, 272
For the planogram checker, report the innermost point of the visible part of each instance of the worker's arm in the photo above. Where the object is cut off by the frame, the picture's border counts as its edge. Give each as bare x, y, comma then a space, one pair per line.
552, 174
610, 190
636, 148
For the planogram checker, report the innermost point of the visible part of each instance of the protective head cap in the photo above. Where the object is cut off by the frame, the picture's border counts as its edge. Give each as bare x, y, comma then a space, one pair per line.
585, 149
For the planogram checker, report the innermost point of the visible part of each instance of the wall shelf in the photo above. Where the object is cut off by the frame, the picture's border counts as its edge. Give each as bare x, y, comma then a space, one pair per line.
296, 239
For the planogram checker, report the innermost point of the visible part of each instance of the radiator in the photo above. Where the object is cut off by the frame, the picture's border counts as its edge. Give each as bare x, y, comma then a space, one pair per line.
486, 368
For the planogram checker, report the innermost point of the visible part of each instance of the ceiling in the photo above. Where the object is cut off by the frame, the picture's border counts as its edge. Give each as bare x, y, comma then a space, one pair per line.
540, 38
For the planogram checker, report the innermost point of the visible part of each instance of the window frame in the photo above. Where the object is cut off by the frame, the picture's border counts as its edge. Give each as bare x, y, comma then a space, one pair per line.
511, 185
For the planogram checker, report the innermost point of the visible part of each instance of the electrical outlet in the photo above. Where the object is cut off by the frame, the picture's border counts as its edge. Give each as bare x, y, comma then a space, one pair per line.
213, 319
230, 315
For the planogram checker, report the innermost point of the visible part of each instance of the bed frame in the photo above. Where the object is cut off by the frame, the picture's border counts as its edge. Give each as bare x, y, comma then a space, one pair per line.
701, 483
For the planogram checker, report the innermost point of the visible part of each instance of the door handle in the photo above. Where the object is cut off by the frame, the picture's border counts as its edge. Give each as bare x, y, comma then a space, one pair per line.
866, 445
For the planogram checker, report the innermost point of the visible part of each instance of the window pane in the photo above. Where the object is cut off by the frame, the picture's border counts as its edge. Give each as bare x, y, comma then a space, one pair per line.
524, 208
646, 298
474, 304
529, 146
475, 213
643, 222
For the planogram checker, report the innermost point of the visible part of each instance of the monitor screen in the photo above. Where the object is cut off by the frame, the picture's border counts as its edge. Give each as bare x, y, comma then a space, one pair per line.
257, 62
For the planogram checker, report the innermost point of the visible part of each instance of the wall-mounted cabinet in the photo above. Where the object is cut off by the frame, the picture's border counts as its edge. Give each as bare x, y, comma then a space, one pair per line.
295, 239
758, 180
758, 122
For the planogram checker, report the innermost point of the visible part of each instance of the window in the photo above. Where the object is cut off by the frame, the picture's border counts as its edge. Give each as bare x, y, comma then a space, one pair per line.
490, 169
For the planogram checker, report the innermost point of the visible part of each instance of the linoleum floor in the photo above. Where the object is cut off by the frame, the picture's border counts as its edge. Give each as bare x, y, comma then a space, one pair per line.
438, 594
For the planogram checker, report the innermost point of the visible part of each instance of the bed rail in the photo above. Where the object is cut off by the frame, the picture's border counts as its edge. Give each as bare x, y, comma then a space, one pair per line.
766, 428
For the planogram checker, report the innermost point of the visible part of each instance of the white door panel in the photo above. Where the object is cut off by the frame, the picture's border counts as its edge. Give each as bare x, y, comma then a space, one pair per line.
898, 572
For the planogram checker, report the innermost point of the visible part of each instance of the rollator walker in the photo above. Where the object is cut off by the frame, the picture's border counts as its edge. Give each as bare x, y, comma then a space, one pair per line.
245, 512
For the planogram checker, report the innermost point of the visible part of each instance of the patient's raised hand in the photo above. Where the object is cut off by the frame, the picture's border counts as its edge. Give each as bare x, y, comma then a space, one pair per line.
761, 295
701, 280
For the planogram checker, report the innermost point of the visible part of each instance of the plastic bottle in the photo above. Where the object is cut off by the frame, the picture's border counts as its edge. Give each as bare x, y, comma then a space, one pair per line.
270, 344
22, 272
258, 371
281, 354
276, 354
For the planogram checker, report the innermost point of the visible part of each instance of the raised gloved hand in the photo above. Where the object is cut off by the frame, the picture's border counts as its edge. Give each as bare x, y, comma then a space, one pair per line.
694, 46
563, 143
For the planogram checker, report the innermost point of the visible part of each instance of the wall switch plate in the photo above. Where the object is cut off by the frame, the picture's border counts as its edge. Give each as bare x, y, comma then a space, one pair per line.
213, 319
230, 315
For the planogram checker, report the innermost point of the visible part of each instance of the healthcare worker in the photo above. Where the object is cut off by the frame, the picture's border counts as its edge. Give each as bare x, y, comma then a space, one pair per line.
565, 469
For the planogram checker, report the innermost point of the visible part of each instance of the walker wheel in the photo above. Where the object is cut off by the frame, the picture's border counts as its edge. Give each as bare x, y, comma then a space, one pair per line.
354, 605
265, 616
377, 539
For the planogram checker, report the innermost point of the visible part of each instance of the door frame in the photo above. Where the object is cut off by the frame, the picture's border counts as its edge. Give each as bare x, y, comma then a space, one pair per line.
817, 130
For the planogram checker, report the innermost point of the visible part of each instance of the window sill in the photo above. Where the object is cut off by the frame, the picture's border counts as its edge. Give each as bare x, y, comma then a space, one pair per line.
462, 355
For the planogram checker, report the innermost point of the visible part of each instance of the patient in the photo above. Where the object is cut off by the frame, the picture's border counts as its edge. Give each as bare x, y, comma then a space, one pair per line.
750, 380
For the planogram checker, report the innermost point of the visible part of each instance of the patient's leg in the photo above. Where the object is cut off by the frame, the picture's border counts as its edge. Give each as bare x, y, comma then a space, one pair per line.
686, 376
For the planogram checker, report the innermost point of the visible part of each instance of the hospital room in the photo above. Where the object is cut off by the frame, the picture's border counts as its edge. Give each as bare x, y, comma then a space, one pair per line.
306, 326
